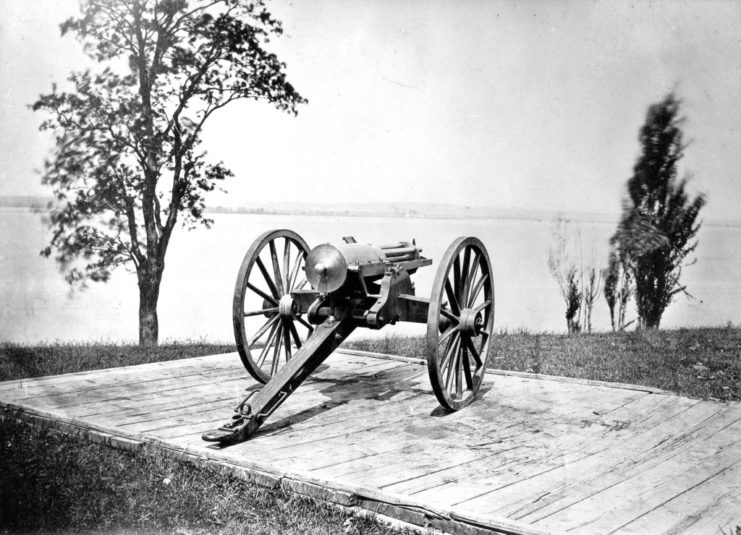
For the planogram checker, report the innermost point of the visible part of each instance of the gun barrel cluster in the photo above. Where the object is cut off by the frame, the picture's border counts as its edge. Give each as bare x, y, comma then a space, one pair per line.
327, 264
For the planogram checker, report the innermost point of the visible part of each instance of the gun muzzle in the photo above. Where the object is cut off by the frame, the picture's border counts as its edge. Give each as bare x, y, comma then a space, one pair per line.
326, 268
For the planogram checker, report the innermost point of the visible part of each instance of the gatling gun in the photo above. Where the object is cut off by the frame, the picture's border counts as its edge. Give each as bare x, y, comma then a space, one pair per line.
293, 306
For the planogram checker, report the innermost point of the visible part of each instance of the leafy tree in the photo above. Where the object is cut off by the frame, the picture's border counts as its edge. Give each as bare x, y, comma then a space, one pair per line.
660, 220
127, 167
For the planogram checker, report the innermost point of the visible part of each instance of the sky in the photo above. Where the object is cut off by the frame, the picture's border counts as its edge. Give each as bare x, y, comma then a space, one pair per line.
533, 105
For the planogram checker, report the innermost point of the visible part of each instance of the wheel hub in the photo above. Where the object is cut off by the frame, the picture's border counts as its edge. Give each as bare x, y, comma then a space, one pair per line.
285, 306
471, 322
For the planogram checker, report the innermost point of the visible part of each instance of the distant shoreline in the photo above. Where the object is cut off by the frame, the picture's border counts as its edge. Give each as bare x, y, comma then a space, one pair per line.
394, 211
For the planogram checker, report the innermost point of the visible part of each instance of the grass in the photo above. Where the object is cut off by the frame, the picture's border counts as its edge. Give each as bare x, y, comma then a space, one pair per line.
55, 482
701, 363
20, 361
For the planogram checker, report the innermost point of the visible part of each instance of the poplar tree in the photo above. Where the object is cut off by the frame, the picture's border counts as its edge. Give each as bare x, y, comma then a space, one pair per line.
659, 224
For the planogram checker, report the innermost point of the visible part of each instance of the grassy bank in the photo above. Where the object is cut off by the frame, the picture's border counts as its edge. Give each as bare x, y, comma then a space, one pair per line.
702, 363
53, 482
21, 360
699, 363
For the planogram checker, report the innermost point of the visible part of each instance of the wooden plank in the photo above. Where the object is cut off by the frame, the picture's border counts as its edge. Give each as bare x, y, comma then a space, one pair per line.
321, 426
90, 387
514, 466
102, 396
557, 401
441, 444
504, 465
524, 452
207, 367
101, 401
634, 507
185, 396
569, 481
344, 449
558, 453
575, 380
616, 463
524, 375
720, 516
684, 511
677, 468
405, 461
290, 436
205, 364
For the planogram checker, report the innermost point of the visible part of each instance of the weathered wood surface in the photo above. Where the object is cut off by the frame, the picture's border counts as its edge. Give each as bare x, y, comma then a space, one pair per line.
533, 455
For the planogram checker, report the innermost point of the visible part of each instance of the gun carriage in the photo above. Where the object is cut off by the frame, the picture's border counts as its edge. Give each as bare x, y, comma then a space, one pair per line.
294, 306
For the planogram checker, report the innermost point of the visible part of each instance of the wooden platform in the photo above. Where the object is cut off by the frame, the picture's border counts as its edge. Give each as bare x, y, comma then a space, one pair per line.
533, 455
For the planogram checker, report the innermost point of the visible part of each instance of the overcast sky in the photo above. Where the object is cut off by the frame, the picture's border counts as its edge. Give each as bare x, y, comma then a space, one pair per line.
507, 104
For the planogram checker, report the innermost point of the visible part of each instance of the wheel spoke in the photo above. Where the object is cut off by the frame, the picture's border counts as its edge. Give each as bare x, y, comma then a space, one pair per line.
287, 342
470, 277
448, 333
477, 289
482, 306
286, 262
276, 350
445, 361
294, 272
484, 338
456, 277
467, 367
268, 345
261, 312
453, 363
294, 333
462, 355
276, 269
262, 330
462, 289
262, 294
265, 274
303, 322
445, 312
452, 301
472, 348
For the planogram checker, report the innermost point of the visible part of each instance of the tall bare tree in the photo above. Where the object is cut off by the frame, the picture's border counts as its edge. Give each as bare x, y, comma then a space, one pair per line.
565, 271
127, 166
618, 290
591, 280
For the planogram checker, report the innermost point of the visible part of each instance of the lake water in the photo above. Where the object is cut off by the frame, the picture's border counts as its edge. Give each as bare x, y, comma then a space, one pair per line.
195, 300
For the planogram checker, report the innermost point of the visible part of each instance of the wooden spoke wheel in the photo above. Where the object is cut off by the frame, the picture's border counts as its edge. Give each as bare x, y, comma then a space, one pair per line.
459, 323
266, 327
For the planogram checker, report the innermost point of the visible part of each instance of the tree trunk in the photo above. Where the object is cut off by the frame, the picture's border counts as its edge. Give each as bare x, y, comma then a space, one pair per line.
149, 292
653, 322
